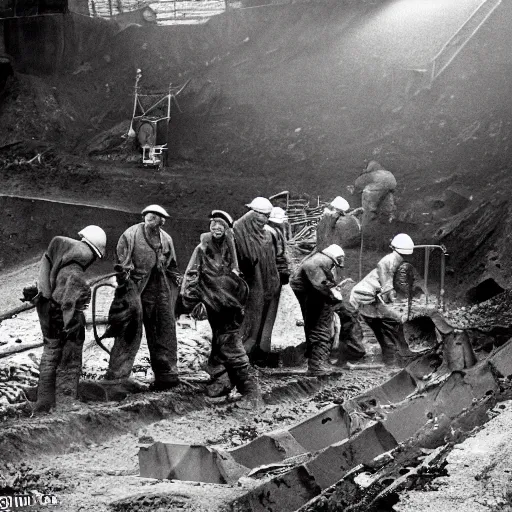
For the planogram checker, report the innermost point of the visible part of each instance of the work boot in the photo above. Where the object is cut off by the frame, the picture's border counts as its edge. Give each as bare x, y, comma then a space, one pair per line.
47, 375
247, 384
68, 372
220, 385
165, 381
318, 362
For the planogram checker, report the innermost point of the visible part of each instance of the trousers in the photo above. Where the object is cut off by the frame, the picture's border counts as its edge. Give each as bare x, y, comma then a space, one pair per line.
154, 312
390, 336
61, 361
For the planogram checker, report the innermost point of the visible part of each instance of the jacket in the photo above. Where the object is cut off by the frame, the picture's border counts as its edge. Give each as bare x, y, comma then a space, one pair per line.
136, 255
61, 252
364, 295
315, 274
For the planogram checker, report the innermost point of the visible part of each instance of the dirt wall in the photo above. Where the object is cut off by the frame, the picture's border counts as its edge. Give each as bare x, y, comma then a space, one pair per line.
50, 44
28, 225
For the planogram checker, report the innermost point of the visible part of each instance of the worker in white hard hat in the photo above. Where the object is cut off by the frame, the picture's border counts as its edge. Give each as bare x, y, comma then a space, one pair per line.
277, 228
315, 286
337, 226
150, 279
213, 279
256, 257
374, 190
373, 294
62, 294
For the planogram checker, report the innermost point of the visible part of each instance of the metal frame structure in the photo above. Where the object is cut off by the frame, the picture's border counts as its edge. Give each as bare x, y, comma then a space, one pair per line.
152, 154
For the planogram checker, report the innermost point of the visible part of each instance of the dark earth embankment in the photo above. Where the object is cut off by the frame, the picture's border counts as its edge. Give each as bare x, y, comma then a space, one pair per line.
291, 97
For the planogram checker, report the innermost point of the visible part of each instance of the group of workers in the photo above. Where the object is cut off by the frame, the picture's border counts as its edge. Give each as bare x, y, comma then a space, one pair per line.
235, 276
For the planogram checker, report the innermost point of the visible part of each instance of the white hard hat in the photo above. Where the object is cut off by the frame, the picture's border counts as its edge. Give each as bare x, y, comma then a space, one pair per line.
402, 244
340, 204
260, 205
334, 251
158, 210
95, 238
278, 215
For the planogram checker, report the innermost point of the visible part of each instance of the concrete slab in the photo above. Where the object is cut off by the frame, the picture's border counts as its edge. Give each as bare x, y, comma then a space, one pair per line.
334, 462
501, 360
179, 462
285, 493
330, 426
265, 449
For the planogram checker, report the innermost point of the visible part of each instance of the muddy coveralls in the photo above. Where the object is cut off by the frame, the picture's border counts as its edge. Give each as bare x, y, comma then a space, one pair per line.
211, 279
312, 284
384, 322
344, 230
152, 272
63, 294
376, 187
283, 269
256, 257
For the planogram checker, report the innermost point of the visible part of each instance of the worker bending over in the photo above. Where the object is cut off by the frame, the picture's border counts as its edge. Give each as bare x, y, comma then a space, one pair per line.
314, 285
62, 296
148, 289
372, 296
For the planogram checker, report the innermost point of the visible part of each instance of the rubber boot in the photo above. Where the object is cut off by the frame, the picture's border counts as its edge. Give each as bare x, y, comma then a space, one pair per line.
69, 369
318, 362
220, 384
246, 381
165, 381
52, 353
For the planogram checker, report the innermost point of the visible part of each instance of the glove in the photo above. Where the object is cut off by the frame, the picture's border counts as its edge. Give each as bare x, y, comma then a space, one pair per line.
336, 296
389, 296
29, 294
122, 274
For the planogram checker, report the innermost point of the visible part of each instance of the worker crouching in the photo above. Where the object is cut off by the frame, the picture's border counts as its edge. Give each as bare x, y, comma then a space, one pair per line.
314, 285
63, 294
373, 295
149, 280
213, 279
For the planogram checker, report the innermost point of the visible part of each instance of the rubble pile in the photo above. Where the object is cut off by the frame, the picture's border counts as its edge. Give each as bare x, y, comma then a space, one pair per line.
491, 313
23, 478
14, 377
193, 353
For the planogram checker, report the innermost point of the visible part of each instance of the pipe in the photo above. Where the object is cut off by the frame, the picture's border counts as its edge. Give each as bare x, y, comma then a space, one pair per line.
425, 272
97, 338
442, 248
441, 286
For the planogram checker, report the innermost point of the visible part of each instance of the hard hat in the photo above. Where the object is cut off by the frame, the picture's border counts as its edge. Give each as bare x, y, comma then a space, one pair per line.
402, 244
95, 238
158, 210
278, 215
260, 205
221, 214
340, 204
334, 251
